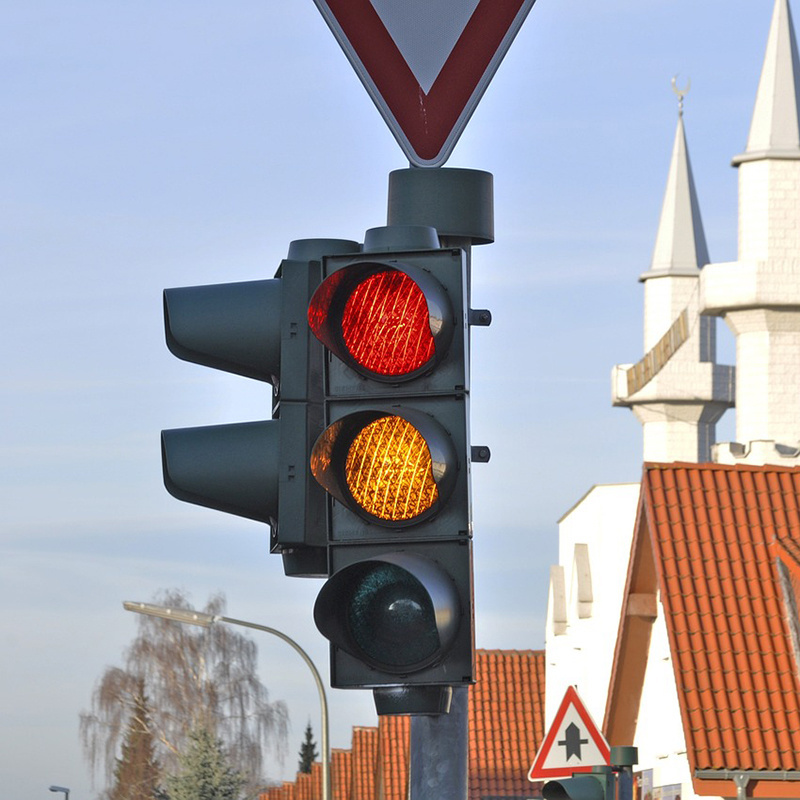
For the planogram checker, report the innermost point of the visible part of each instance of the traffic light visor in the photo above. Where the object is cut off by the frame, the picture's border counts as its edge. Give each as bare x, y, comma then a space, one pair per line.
389, 322
398, 612
394, 469
232, 468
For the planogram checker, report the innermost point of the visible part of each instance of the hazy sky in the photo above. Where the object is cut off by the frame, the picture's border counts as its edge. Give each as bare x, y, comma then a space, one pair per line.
154, 144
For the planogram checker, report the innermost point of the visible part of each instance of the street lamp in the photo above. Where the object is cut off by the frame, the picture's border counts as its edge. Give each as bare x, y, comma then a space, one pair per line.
204, 620
61, 789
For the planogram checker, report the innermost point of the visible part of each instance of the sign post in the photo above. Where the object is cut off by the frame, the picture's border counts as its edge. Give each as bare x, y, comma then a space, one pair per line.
426, 65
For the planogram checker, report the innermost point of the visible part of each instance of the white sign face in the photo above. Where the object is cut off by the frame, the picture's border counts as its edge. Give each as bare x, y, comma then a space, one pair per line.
425, 32
425, 63
573, 743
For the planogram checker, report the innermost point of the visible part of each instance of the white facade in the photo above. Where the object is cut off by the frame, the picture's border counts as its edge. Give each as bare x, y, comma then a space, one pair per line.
660, 738
758, 297
586, 595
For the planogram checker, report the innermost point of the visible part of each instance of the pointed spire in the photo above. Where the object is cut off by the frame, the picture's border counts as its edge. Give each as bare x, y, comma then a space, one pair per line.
680, 247
775, 128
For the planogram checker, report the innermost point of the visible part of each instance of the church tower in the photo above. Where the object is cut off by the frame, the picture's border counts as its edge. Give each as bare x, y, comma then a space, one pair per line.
758, 295
677, 391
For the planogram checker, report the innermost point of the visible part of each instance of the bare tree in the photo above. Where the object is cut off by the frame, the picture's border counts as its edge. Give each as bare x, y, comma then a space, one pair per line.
193, 678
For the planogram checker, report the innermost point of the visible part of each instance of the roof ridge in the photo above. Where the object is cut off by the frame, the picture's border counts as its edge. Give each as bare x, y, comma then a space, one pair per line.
709, 466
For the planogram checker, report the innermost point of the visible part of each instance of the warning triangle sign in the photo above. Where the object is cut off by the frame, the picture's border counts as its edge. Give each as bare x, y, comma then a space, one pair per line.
573, 742
425, 63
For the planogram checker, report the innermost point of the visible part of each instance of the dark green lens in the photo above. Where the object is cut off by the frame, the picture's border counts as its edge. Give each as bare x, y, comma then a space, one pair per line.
391, 617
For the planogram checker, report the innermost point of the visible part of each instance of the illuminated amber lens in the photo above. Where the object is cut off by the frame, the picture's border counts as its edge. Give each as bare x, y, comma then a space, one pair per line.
389, 472
386, 324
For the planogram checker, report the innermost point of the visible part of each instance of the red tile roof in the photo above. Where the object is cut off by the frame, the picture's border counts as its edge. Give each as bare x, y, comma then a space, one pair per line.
506, 727
285, 791
341, 773
719, 537
393, 750
506, 722
364, 760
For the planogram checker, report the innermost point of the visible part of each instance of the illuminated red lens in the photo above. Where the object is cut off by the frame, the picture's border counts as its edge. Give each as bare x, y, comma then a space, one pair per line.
386, 326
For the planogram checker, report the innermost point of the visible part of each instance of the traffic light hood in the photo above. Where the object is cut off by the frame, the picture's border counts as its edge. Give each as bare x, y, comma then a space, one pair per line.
394, 467
397, 612
233, 327
388, 320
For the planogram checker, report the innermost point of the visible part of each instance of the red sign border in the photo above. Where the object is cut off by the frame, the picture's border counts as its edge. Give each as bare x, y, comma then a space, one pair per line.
431, 123
571, 698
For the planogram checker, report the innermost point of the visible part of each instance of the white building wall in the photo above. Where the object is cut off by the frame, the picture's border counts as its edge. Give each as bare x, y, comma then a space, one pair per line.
759, 298
664, 300
659, 737
769, 210
580, 646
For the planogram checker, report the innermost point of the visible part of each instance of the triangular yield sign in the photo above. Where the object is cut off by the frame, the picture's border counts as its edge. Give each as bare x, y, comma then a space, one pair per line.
425, 63
573, 742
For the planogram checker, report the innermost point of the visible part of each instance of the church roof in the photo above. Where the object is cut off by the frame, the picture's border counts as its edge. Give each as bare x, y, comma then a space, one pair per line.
775, 127
506, 727
680, 247
721, 545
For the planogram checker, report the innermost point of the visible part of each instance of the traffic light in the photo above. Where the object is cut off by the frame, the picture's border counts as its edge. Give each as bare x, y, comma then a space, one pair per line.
595, 785
258, 470
394, 459
604, 782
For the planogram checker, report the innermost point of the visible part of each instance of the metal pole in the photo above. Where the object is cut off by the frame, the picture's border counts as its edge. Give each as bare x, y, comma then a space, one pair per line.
438, 768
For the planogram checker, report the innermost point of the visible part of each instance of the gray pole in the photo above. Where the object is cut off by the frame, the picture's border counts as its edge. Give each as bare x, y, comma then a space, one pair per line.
439, 747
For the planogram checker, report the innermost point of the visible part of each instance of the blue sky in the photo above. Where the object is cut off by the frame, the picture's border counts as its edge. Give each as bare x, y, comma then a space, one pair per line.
155, 144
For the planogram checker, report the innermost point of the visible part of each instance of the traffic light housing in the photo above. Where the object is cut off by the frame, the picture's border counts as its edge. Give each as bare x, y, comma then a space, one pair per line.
587, 786
604, 782
395, 452
258, 470
394, 460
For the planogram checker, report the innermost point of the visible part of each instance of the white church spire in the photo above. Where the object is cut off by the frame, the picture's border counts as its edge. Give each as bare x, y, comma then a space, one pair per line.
758, 295
775, 127
680, 247
677, 391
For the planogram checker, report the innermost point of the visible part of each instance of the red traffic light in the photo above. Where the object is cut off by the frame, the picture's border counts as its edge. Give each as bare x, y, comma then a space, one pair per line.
389, 321
393, 468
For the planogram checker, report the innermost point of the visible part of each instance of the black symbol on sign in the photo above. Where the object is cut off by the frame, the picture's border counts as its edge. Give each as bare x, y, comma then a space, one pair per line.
572, 741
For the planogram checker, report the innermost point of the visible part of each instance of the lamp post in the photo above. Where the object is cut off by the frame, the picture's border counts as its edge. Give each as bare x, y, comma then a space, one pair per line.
61, 789
204, 620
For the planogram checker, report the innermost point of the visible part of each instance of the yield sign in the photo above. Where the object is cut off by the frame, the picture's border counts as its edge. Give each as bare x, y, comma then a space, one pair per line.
425, 63
573, 743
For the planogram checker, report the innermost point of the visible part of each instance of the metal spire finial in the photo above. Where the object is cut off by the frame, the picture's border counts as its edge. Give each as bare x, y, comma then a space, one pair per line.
681, 92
